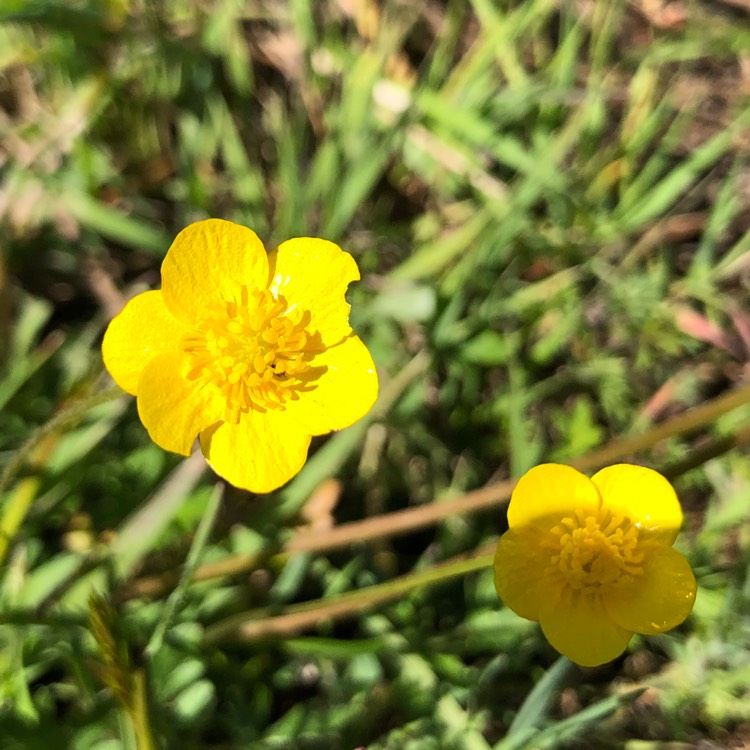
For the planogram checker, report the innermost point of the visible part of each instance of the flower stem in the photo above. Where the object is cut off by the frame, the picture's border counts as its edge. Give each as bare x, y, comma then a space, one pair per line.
176, 598
257, 623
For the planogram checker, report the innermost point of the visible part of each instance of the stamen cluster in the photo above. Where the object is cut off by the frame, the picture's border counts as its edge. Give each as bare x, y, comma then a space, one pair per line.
592, 551
254, 350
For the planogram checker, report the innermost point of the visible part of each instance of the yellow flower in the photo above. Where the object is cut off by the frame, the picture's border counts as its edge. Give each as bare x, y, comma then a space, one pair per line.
592, 559
250, 352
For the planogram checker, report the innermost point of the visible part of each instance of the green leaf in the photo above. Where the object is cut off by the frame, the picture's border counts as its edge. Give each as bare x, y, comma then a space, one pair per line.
536, 706
113, 224
489, 348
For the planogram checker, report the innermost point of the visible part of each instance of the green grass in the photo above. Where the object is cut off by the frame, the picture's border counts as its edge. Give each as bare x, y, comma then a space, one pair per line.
549, 205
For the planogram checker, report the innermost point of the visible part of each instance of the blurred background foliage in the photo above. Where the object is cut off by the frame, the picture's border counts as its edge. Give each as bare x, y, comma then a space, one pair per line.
549, 204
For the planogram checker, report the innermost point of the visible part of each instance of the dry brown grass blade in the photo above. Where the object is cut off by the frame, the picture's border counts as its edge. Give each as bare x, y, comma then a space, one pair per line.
301, 617
411, 519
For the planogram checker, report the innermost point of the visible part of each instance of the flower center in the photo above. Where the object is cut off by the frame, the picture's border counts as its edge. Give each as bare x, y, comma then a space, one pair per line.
595, 551
255, 350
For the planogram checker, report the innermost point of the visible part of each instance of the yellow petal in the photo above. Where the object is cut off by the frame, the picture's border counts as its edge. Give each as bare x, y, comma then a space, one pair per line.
658, 600
260, 453
551, 491
582, 630
343, 393
172, 408
643, 495
142, 330
313, 275
519, 568
207, 264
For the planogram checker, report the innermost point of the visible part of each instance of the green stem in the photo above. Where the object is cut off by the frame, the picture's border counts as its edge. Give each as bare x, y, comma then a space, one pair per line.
257, 623
699, 456
191, 563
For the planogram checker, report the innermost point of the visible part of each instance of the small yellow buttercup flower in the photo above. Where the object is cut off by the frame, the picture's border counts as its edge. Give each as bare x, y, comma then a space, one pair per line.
250, 352
592, 560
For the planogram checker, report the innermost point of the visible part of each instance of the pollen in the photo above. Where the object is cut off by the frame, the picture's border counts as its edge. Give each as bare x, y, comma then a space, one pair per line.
595, 551
254, 350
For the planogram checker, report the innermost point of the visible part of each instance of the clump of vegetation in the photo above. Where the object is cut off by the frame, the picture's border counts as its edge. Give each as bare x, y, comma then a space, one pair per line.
548, 203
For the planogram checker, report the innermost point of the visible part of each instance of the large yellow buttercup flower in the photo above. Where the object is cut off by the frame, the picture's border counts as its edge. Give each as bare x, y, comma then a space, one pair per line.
592, 559
250, 352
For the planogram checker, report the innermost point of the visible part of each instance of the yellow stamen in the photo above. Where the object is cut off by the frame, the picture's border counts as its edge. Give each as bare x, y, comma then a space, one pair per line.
254, 351
595, 551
